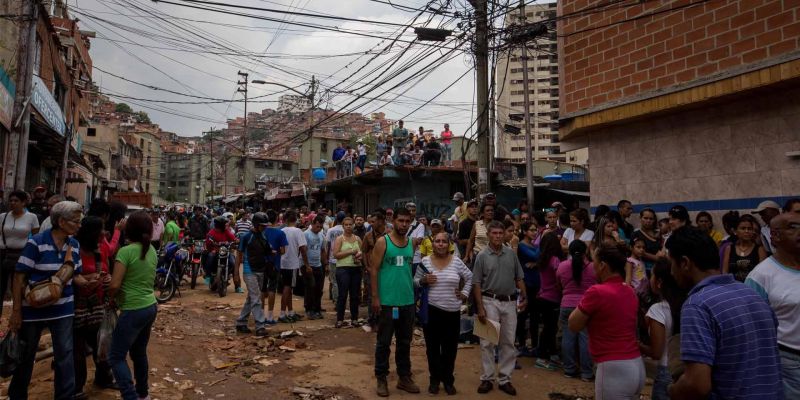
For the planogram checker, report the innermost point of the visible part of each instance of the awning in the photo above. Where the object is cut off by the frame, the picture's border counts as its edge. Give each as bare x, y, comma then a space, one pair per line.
571, 192
232, 198
298, 192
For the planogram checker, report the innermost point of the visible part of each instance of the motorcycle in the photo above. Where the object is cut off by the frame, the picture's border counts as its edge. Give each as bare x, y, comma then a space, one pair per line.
225, 270
195, 260
169, 272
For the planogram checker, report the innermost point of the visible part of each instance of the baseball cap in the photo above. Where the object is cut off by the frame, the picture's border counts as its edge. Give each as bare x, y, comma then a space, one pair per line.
765, 205
557, 204
458, 196
410, 204
490, 194
437, 222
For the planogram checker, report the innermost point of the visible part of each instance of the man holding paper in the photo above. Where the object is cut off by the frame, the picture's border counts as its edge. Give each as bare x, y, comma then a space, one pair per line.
497, 275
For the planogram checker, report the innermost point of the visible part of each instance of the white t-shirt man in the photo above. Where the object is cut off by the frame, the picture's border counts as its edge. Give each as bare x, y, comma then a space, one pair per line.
660, 312
778, 284
416, 231
296, 239
16, 230
586, 236
330, 239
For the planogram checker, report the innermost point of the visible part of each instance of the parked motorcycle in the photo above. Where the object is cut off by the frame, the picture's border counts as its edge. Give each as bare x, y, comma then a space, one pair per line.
169, 271
224, 271
195, 260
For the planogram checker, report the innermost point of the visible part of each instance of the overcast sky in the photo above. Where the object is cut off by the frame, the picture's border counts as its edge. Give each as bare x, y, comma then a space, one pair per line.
126, 43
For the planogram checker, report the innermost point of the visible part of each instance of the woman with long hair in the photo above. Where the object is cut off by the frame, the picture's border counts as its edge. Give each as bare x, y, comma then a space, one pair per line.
347, 250
548, 299
578, 229
745, 253
607, 233
90, 305
609, 312
132, 287
528, 254
575, 276
15, 227
443, 273
479, 238
648, 232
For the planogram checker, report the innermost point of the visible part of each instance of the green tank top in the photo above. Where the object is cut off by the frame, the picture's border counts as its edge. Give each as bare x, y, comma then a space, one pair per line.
348, 261
395, 283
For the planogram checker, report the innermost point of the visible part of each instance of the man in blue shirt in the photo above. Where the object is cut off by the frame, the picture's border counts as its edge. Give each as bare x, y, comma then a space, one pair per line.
338, 155
254, 254
728, 332
278, 242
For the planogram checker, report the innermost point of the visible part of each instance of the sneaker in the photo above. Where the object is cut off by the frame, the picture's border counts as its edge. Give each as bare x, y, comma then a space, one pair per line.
544, 364
271, 322
285, 320
485, 387
450, 390
508, 389
407, 384
571, 375
339, 324
243, 329
433, 388
383, 387
297, 317
261, 332
239, 290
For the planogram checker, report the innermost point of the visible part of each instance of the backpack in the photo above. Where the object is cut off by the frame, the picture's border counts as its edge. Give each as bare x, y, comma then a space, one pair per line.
258, 253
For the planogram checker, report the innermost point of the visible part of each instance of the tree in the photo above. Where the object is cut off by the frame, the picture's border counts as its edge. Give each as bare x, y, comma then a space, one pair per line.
142, 118
123, 108
368, 140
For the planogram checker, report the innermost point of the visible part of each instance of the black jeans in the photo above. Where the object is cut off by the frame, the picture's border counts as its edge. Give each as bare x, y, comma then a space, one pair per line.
441, 343
530, 316
314, 283
402, 329
348, 279
84, 339
548, 314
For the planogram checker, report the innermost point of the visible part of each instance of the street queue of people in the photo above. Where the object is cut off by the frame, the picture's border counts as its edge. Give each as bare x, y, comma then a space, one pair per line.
717, 313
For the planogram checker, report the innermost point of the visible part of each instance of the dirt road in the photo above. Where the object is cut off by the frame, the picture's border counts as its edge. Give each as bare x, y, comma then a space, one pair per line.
195, 354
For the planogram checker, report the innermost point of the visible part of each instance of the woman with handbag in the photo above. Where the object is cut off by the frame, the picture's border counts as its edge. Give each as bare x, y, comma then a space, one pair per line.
17, 224
90, 305
442, 273
48, 294
132, 287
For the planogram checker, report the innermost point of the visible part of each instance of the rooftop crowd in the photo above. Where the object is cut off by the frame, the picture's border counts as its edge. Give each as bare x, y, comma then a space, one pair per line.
592, 299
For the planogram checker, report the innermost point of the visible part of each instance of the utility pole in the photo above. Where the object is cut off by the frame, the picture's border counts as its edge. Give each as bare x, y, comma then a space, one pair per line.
211, 165
528, 155
482, 75
16, 158
242, 168
62, 187
311, 132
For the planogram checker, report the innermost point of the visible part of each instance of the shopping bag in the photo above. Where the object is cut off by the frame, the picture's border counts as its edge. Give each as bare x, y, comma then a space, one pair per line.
10, 354
105, 333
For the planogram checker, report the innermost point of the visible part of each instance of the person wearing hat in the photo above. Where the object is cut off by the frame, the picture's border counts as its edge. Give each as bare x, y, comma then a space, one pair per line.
767, 210
38, 204
426, 248
362, 155
500, 212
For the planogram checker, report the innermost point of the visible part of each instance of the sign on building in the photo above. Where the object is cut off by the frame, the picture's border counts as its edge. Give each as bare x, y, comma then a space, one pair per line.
6, 99
46, 104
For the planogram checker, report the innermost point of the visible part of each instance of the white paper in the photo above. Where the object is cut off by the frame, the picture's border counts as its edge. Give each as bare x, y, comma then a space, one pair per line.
489, 330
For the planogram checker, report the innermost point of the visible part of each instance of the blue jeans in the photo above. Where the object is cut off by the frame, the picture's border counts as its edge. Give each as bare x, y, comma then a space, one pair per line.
790, 371
132, 335
362, 162
447, 152
660, 384
252, 305
61, 333
569, 340
210, 265
349, 282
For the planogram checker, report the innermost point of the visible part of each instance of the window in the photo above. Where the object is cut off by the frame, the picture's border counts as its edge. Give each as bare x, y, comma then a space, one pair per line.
286, 166
141, 143
59, 93
323, 147
518, 148
147, 186
92, 132
147, 174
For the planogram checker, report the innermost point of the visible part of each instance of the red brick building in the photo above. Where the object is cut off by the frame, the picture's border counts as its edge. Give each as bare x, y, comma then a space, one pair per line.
683, 101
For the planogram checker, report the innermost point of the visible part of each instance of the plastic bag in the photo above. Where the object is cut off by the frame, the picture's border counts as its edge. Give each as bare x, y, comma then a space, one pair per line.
10, 354
105, 333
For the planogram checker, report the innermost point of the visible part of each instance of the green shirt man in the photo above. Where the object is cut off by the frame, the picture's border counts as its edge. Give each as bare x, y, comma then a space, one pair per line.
172, 233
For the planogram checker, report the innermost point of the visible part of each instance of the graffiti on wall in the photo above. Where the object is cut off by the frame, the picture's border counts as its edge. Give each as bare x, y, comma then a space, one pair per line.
432, 209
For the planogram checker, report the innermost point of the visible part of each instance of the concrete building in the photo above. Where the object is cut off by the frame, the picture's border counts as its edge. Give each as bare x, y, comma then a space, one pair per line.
185, 178
698, 105
232, 178
542, 87
150, 143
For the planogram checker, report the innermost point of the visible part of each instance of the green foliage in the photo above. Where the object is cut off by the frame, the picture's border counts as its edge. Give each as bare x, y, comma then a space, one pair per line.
142, 118
123, 108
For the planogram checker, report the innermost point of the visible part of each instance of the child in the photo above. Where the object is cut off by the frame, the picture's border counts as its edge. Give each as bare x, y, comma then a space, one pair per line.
659, 321
635, 275
664, 229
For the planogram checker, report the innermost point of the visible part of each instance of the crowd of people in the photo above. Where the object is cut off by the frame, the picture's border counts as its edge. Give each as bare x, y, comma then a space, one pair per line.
593, 299
401, 148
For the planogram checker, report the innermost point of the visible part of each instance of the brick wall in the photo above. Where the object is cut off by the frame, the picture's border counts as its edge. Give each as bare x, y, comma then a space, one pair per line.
603, 59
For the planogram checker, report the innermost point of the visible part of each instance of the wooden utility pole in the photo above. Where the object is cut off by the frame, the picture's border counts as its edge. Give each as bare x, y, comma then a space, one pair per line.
16, 157
311, 133
482, 75
528, 155
243, 166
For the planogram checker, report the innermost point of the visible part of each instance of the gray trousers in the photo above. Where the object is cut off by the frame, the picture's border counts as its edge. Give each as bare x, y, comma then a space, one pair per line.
333, 288
253, 305
619, 379
504, 312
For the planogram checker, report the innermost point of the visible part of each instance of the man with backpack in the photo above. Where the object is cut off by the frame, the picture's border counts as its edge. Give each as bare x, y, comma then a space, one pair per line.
254, 255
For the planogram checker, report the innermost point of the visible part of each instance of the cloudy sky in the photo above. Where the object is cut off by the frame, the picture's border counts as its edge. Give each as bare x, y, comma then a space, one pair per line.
195, 56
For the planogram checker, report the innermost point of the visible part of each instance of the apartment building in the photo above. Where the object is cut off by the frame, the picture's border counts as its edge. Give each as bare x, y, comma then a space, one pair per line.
542, 87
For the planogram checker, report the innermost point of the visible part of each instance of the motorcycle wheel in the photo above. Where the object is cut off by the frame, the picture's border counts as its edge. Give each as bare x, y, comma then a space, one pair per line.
195, 271
222, 286
165, 288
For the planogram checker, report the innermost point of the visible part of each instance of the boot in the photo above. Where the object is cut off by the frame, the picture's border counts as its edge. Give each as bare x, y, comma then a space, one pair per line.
383, 387
407, 384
